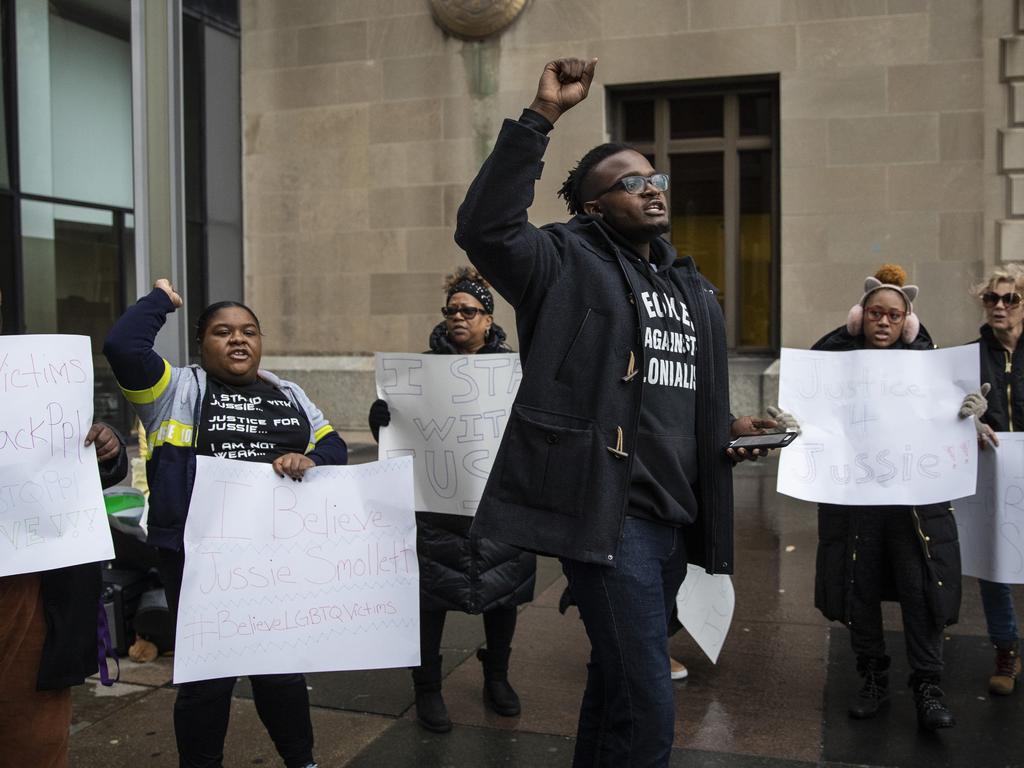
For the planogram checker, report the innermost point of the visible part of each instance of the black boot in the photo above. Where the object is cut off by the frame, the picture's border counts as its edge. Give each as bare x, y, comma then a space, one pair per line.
498, 694
431, 712
932, 713
875, 691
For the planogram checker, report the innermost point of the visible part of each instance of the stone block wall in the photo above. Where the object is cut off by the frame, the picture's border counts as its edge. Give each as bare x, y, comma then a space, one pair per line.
364, 124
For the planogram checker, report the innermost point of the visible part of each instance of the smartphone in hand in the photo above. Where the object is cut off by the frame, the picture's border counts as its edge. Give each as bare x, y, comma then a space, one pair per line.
767, 442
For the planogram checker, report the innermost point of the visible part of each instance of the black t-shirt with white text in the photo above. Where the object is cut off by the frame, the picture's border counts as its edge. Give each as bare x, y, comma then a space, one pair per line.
665, 460
252, 422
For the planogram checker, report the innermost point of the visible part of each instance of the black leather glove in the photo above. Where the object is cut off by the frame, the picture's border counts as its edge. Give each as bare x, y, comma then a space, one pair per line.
380, 416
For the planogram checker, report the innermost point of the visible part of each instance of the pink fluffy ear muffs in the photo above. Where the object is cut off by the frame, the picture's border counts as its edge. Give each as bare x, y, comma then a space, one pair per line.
911, 325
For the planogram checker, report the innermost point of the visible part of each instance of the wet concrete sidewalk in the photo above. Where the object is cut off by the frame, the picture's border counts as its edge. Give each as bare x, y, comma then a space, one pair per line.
775, 699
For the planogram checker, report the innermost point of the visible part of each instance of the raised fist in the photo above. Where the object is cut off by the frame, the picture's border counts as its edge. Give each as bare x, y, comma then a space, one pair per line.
165, 285
564, 83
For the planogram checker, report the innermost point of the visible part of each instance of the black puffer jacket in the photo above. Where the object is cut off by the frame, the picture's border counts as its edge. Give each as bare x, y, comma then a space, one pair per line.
459, 571
837, 572
1005, 372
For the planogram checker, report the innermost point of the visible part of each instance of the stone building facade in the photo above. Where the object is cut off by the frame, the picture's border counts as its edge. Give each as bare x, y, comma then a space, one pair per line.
892, 128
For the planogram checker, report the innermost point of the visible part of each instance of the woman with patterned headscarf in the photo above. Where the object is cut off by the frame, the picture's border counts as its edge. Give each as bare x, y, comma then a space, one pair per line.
458, 571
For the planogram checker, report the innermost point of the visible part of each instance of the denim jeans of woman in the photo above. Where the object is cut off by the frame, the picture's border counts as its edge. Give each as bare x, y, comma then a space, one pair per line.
627, 717
999, 614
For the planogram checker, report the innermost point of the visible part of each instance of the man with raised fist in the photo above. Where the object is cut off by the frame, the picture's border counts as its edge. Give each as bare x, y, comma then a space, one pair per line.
614, 457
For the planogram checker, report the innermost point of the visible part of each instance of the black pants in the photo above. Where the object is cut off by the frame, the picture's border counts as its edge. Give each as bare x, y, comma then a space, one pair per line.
202, 708
499, 626
888, 541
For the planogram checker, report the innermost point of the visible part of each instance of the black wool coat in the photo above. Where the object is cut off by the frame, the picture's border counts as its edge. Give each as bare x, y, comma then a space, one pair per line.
71, 598
560, 481
461, 571
838, 571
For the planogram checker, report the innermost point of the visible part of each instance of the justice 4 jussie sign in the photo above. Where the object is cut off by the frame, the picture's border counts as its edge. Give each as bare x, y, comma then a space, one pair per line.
879, 427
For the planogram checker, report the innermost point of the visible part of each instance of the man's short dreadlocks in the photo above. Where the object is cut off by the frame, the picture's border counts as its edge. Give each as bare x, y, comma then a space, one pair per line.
572, 189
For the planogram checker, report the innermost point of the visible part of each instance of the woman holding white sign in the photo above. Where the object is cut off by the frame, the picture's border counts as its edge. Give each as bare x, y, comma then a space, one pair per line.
868, 554
1002, 367
225, 407
458, 571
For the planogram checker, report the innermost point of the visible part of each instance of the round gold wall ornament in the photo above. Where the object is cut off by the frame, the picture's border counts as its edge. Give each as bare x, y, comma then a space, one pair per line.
475, 19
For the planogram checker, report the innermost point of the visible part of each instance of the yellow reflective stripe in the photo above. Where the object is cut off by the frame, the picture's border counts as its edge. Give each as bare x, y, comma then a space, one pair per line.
171, 433
326, 429
150, 394
310, 447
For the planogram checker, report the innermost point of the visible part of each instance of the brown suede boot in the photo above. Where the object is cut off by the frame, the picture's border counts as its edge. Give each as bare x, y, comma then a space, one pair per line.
1008, 668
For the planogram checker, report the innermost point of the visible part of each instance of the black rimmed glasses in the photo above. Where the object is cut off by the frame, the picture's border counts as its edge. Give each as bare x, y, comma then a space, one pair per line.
467, 312
634, 185
991, 298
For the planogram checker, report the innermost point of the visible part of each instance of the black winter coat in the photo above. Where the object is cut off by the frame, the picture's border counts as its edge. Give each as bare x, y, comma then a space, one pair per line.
1005, 372
837, 571
460, 571
71, 598
560, 481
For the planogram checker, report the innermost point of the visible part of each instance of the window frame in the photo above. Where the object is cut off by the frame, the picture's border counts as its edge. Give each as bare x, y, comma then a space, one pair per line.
730, 144
13, 298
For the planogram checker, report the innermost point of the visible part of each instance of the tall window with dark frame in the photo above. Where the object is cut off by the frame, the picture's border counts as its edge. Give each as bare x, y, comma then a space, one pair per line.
719, 143
211, 85
193, 93
10, 307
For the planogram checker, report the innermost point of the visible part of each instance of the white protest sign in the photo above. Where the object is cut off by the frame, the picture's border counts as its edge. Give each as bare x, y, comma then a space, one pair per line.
51, 503
990, 524
704, 606
284, 576
879, 426
448, 412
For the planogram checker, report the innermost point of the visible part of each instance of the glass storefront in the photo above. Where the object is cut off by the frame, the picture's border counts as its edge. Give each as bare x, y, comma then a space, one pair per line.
67, 197
74, 115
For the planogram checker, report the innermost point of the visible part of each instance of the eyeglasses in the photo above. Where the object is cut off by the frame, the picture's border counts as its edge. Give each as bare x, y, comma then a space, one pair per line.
467, 312
991, 298
877, 313
634, 185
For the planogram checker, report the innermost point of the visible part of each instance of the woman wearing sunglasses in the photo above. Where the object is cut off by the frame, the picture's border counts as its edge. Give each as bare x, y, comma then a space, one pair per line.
458, 571
1002, 367
867, 554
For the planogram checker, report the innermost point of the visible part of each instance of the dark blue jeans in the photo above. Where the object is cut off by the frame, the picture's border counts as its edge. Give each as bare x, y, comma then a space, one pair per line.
627, 717
999, 614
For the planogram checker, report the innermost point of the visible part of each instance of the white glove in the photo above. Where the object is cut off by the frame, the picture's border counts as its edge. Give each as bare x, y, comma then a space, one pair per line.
786, 419
975, 403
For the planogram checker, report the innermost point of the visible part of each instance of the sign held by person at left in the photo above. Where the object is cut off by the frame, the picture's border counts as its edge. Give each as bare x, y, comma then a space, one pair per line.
51, 502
